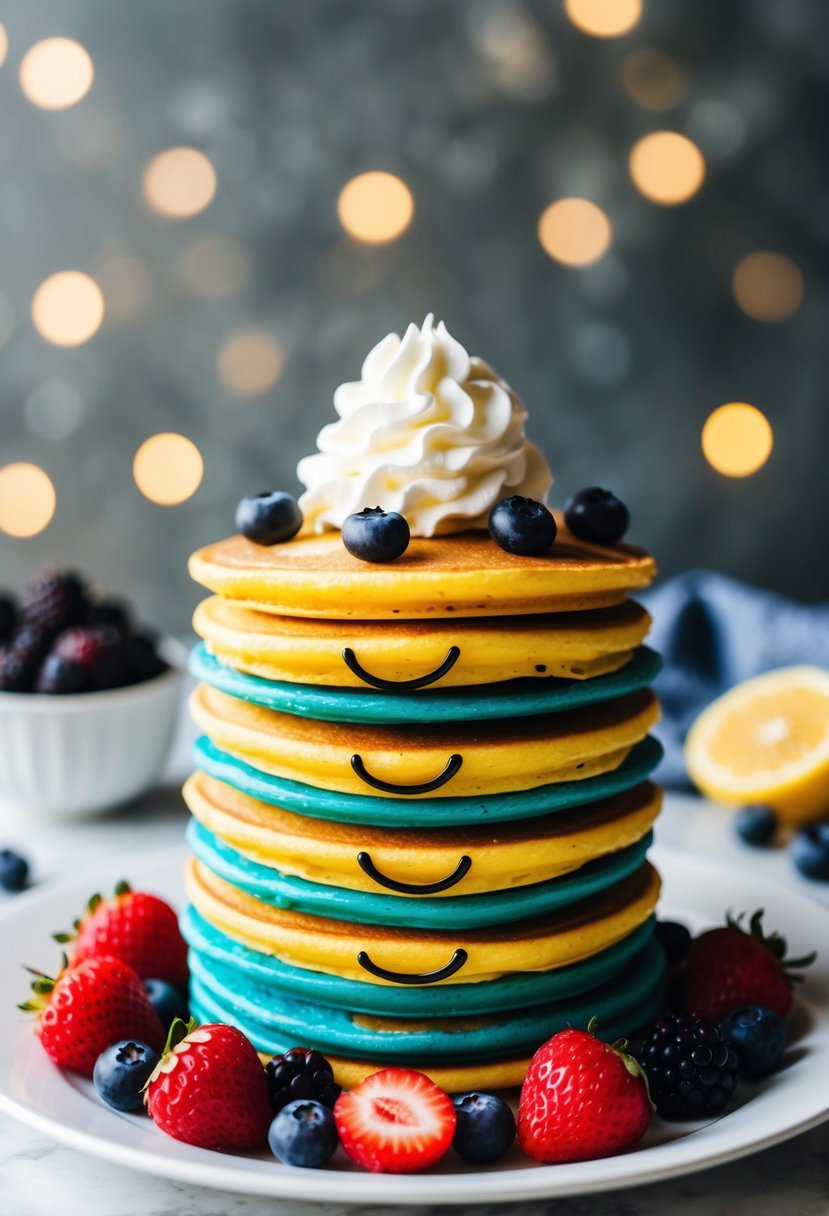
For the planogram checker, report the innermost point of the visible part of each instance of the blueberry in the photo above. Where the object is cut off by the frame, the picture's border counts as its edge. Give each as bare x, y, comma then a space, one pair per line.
485, 1128
303, 1133
167, 1001
375, 535
596, 515
674, 938
122, 1071
269, 518
755, 824
14, 870
810, 851
59, 675
758, 1036
522, 525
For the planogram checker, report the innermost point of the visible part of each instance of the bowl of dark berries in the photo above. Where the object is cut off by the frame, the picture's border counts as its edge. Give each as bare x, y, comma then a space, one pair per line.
88, 698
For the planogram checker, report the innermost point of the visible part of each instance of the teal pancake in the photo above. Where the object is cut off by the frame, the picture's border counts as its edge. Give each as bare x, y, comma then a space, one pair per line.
516, 991
513, 698
438, 812
465, 911
275, 1021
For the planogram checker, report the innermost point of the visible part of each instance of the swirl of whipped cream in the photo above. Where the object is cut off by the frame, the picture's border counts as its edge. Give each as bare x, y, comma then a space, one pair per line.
427, 431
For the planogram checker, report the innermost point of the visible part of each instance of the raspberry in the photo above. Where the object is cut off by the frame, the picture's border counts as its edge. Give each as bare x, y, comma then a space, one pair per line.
55, 600
300, 1074
691, 1070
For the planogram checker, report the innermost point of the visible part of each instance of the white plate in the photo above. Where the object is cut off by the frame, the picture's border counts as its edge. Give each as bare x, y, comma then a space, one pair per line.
699, 892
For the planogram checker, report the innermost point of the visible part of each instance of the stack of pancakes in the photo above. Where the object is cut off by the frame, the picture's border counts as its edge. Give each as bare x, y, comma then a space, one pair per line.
421, 811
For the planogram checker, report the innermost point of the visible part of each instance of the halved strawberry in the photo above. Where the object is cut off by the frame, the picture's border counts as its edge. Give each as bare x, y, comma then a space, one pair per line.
397, 1121
138, 928
90, 1007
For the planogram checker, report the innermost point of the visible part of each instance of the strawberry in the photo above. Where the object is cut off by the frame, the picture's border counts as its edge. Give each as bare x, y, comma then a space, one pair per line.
88, 1008
140, 929
582, 1099
729, 967
210, 1089
396, 1121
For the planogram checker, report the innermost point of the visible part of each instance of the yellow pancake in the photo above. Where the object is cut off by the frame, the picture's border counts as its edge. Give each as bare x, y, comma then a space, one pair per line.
503, 856
575, 644
467, 574
323, 944
497, 756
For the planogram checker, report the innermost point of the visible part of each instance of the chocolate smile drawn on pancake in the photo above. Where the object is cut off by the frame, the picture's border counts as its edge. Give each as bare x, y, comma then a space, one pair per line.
452, 766
354, 665
454, 965
411, 888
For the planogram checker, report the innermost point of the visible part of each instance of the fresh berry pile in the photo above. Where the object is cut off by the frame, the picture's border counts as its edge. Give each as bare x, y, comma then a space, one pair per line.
63, 638
123, 991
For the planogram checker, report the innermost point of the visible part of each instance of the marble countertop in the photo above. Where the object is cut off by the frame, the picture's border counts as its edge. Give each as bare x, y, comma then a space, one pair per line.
41, 1178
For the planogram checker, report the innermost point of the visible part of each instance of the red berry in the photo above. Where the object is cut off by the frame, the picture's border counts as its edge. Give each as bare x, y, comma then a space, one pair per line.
728, 967
140, 929
210, 1090
581, 1099
396, 1121
90, 1007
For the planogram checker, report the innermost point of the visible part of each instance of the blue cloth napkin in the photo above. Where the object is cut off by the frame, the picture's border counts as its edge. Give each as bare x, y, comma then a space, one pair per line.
713, 632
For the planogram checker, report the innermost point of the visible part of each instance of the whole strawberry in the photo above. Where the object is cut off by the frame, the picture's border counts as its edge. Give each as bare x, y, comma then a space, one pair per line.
582, 1099
141, 929
729, 967
88, 1008
210, 1089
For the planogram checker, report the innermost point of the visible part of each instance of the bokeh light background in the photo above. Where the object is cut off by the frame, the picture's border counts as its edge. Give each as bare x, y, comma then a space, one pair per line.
211, 209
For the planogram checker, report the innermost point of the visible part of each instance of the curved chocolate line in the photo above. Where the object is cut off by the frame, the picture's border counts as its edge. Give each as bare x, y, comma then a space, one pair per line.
411, 888
426, 787
354, 665
425, 977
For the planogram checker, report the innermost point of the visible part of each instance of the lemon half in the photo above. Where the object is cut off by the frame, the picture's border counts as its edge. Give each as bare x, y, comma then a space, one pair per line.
767, 740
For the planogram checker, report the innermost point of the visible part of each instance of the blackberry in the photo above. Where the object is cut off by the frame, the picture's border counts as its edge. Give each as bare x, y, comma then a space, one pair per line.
17, 671
20, 659
142, 659
112, 613
300, 1074
691, 1070
30, 642
55, 600
8, 617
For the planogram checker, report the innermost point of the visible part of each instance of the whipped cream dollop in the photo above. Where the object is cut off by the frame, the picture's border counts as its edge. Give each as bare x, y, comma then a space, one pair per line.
428, 431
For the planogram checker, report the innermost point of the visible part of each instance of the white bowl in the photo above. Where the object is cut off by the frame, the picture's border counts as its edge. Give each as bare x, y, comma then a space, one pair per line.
88, 752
